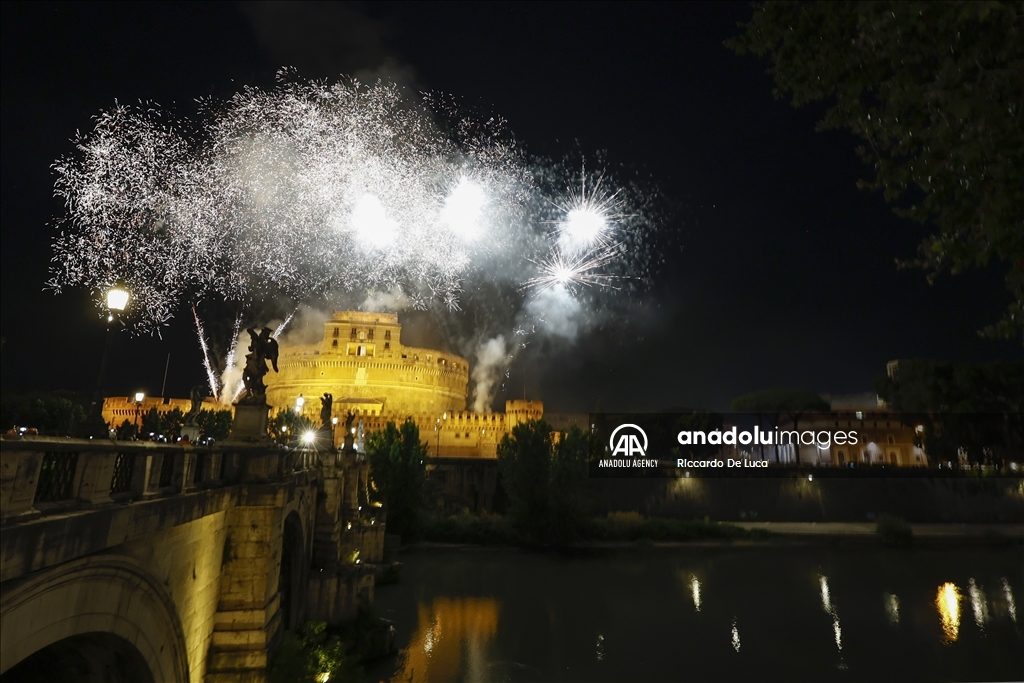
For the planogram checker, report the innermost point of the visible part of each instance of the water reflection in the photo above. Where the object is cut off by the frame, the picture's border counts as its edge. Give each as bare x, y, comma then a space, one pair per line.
948, 603
826, 604
892, 608
1011, 606
610, 617
445, 627
979, 605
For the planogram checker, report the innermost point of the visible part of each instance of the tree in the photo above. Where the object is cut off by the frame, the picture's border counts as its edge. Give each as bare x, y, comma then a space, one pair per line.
569, 500
935, 91
214, 424
960, 406
792, 403
524, 459
398, 467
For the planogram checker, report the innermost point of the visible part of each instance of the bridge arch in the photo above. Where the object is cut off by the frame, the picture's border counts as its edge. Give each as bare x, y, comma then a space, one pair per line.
97, 601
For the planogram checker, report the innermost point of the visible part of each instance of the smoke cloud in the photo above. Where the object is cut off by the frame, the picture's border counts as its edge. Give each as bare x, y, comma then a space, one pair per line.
391, 301
492, 356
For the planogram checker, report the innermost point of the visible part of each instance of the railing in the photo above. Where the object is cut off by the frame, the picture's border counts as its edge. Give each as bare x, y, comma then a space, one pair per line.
45, 475
56, 477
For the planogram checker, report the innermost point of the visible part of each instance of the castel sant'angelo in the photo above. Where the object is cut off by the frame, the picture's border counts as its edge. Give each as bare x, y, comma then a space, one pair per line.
363, 364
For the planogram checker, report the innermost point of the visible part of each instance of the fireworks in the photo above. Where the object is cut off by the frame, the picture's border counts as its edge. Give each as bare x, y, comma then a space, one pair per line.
311, 189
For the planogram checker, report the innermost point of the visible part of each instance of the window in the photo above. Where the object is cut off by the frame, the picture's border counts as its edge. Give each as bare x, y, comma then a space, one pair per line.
335, 342
387, 346
842, 457
354, 334
891, 438
387, 334
370, 334
337, 331
361, 351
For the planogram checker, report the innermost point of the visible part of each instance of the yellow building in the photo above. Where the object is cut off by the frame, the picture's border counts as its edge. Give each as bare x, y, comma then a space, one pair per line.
363, 364
117, 409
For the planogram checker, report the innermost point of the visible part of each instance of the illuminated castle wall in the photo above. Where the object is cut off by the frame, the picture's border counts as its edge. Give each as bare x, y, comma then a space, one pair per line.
362, 362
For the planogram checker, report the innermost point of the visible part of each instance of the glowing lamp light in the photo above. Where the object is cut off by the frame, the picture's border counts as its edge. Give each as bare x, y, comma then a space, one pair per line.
309, 437
139, 397
334, 420
373, 229
117, 299
463, 209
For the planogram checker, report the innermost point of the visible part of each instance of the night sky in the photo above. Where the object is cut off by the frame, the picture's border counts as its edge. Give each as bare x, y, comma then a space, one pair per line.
780, 272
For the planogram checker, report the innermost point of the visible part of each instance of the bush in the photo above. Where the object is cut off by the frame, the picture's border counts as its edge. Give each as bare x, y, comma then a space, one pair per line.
311, 654
469, 528
894, 530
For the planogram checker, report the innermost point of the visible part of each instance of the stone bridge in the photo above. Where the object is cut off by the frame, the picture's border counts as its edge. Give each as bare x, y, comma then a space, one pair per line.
133, 561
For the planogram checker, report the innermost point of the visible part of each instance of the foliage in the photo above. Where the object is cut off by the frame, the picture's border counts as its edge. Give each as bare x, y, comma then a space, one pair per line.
311, 654
935, 91
53, 415
169, 423
546, 481
465, 527
398, 467
524, 460
894, 530
126, 431
214, 424
569, 499
288, 426
960, 406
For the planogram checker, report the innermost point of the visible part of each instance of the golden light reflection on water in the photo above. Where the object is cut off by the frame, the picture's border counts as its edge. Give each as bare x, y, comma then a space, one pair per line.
947, 601
695, 592
444, 628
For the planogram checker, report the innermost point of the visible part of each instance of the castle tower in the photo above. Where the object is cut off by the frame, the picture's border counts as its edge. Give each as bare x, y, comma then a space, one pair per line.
361, 361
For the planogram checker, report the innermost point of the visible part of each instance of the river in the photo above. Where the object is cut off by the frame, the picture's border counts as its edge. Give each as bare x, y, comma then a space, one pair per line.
707, 613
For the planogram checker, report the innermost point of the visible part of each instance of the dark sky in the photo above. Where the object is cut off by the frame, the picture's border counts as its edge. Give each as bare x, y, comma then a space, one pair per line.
783, 273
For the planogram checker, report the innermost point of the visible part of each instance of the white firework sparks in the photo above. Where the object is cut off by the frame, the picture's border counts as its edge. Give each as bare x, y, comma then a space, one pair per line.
311, 189
574, 270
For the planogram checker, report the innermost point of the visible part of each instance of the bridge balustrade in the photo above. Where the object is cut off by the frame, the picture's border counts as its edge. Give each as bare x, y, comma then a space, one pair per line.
47, 475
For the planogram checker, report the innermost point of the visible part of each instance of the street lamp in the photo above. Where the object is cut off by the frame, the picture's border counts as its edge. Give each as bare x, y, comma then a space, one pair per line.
139, 397
299, 402
334, 427
438, 428
117, 300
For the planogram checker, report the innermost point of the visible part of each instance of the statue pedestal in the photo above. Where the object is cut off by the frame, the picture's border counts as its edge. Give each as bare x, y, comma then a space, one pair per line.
190, 432
250, 423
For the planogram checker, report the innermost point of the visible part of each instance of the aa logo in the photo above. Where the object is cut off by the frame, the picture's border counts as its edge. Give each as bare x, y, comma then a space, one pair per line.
632, 442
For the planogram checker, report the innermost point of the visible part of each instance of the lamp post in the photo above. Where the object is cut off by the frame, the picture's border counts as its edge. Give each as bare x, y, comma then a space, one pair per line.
299, 402
139, 398
334, 428
437, 428
117, 301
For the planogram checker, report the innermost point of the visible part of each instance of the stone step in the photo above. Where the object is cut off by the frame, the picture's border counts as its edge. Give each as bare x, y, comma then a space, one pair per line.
236, 660
240, 676
240, 640
240, 620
